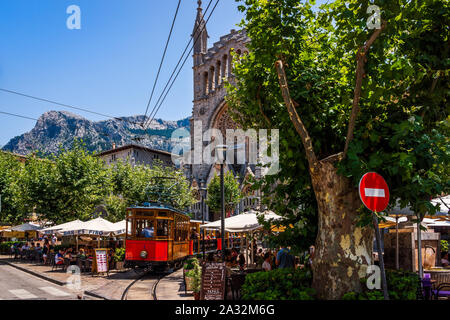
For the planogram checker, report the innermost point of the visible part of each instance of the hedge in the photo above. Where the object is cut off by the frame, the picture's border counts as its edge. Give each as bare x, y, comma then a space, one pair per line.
278, 284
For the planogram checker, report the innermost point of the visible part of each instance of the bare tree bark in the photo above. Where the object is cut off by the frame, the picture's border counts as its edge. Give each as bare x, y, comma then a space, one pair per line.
360, 73
295, 118
343, 250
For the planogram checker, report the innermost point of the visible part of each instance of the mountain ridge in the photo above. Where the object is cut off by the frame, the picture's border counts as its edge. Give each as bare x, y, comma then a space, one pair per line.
55, 129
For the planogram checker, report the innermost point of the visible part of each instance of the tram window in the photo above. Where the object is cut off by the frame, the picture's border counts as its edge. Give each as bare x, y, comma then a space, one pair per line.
177, 229
144, 213
144, 228
162, 214
162, 229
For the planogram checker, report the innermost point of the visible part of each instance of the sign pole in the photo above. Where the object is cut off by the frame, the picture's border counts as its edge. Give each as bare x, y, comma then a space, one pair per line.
374, 194
380, 256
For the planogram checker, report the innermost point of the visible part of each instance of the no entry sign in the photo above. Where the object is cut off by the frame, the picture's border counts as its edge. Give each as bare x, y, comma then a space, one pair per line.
374, 192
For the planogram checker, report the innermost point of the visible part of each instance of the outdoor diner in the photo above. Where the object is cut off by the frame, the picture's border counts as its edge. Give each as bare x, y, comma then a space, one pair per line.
243, 250
71, 243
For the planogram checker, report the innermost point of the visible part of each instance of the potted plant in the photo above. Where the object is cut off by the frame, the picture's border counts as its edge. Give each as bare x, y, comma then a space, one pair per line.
195, 276
188, 267
119, 258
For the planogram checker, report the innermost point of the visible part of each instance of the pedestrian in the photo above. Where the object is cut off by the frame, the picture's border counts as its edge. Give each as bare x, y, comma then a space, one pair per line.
259, 259
45, 251
59, 257
234, 254
266, 264
210, 257
284, 259
54, 239
241, 262
444, 259
311, 255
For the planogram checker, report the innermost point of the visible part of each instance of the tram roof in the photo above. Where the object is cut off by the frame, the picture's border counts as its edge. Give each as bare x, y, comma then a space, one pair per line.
155, 206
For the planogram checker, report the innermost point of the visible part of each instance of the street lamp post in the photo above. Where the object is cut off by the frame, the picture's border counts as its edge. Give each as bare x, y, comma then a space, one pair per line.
203, 195
223, 150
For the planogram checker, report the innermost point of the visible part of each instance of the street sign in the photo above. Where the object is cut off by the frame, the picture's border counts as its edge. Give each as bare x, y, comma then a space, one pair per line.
374, 192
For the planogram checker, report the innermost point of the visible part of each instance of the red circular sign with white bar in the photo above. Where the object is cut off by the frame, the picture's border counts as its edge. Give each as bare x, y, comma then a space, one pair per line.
374, 192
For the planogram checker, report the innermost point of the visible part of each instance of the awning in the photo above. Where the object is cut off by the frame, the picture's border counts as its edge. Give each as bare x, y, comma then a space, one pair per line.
67, 225
444, 203
120, 227
26, 227
245, 222
97, 227
390, 222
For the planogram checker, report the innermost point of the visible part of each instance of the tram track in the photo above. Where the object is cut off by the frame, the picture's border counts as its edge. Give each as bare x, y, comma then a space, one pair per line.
127, 289
154, 287
156, 280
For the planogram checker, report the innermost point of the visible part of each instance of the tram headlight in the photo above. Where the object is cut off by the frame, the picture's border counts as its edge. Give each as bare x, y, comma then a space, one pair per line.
143, 254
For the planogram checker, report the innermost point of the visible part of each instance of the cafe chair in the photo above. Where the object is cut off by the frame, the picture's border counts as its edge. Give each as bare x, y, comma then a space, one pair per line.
236, 283
442, 291
56, 266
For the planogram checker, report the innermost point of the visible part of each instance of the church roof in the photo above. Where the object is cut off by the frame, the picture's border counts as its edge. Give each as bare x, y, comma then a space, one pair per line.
234, 35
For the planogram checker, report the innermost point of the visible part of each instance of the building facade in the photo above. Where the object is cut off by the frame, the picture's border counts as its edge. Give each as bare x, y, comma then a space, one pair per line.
136, 155
211, 67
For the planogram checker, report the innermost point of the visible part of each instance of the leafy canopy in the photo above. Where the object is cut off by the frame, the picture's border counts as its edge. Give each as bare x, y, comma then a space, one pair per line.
231, 189
402, 129
72, 184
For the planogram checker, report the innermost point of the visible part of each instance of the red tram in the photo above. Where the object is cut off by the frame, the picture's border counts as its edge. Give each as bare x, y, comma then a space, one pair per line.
157, 237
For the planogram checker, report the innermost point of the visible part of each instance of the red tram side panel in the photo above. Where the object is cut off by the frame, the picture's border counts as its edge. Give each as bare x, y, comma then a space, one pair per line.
156, 250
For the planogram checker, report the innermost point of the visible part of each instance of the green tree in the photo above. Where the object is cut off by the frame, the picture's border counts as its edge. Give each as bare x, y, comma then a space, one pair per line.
67, 187
231, 189
10, 170
133, 185
300, 77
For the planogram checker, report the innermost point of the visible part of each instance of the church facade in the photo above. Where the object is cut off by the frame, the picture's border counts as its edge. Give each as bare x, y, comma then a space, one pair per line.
211, 67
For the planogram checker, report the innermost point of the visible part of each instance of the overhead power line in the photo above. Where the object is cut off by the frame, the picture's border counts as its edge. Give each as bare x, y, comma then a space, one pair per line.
162, 59
66, 105
18, 115
156, 107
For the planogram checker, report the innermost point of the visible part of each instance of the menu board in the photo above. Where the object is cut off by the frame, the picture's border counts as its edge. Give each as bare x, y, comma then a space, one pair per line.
100, 263
213, 281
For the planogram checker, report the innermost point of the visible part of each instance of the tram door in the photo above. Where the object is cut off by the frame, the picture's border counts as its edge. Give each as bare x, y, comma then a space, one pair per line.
170, 241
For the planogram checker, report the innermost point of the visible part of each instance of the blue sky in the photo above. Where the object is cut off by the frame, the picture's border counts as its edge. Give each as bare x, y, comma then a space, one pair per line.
108, 66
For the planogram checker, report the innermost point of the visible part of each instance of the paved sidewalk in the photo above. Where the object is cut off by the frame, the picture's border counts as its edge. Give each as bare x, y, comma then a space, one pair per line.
104, 287
171, 287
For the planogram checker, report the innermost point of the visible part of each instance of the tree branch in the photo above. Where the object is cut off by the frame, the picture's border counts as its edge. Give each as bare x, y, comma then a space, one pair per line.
258, 98
360, 73
298, 124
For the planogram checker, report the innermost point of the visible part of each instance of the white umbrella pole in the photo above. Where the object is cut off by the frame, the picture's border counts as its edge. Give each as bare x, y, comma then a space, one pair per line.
252, 255
419, 249
397, 263
246, 247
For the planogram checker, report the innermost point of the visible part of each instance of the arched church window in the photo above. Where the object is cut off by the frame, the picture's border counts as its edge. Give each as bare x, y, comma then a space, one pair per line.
205, 83
218, 74
211, 79
225, 66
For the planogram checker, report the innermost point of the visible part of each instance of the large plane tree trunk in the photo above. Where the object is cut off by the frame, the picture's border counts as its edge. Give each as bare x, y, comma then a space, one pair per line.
343, 251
